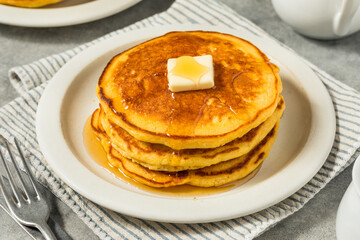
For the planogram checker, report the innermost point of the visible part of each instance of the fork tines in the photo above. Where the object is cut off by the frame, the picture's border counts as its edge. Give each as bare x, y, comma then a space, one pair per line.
18, 180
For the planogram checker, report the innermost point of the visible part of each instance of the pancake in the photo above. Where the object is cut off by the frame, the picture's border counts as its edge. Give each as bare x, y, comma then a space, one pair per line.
29, 3
215, 175
162, 158
133, 91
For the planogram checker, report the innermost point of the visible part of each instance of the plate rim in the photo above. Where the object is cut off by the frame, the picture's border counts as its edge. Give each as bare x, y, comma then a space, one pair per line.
167, 214
34, 17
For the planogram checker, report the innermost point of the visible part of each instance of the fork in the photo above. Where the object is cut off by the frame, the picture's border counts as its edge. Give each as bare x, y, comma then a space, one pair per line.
26, 203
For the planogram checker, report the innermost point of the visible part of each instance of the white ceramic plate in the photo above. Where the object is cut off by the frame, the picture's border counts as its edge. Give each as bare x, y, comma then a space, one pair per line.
63, 14
305, 137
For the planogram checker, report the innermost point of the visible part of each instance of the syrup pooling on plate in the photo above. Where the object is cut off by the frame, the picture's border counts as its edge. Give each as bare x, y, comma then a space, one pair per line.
214, 175
98, 154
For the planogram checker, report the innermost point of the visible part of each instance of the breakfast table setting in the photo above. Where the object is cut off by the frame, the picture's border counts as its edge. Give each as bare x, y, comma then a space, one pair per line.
52, 57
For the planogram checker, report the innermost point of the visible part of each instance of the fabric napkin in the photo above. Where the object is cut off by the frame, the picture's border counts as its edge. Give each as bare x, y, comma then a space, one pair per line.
18, 119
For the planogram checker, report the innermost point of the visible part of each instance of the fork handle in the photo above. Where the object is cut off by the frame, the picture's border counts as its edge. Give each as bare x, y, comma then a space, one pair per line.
46, 231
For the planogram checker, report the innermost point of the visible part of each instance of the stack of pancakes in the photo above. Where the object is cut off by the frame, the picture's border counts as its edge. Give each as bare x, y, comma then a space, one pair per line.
202, 138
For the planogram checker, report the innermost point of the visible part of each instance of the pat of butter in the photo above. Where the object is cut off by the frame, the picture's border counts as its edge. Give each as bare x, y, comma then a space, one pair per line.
190, 73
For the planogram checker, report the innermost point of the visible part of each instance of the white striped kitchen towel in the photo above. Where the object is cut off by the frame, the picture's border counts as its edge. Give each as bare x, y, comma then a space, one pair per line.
18, 119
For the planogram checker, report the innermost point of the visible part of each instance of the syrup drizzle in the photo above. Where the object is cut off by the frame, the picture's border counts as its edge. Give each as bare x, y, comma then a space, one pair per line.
98, 154
196, 114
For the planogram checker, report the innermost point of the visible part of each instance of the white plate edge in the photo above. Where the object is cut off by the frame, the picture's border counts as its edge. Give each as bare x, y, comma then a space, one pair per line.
34, 17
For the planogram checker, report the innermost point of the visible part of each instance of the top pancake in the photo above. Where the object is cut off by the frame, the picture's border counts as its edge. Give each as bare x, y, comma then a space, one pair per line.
133, 91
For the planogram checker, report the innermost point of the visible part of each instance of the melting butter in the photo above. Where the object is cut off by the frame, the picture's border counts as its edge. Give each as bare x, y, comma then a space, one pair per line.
188, 68
190, 73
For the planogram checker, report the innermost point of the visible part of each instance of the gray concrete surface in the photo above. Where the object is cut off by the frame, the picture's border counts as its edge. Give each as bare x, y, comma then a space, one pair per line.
340, 58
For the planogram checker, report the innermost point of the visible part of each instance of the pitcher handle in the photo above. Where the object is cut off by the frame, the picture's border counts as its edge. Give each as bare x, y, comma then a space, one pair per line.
342, 19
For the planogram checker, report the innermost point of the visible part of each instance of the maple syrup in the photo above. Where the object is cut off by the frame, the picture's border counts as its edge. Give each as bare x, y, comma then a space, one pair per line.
98, 154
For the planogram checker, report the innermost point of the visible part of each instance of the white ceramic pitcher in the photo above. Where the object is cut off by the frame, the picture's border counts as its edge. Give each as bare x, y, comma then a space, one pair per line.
322, 19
